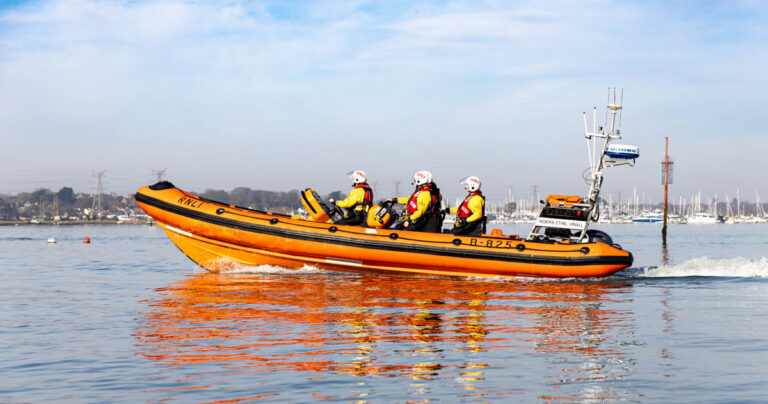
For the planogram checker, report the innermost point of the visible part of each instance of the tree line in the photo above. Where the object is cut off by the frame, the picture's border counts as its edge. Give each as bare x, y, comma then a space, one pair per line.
274, 201
65, 202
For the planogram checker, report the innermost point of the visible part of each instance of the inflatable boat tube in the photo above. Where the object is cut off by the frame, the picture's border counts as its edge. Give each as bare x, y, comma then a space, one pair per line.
220, 237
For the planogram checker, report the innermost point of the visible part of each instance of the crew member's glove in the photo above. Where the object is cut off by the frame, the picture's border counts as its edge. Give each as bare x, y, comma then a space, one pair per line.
392, 200
447, 211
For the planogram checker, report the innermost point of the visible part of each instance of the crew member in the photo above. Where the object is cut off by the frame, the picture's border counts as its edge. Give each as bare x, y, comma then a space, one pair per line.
359, 200
470, 215
422, 212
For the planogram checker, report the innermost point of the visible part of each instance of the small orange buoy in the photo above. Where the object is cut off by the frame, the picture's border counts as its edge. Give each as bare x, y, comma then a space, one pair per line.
87, 240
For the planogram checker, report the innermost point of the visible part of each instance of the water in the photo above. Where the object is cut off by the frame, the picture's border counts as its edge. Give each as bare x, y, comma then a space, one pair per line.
129, 319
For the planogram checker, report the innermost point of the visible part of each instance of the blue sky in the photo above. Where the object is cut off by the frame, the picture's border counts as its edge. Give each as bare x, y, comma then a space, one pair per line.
284, 95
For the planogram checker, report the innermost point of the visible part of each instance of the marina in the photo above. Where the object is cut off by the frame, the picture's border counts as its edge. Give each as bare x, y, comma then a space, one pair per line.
686, 211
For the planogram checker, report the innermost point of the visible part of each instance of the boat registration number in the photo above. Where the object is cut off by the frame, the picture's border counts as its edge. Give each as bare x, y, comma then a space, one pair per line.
490, 243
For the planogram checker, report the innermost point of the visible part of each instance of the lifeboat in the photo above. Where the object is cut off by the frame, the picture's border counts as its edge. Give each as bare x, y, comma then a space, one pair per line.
218, 236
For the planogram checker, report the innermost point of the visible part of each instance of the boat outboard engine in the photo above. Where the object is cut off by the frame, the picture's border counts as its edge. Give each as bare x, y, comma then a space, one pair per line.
595, 236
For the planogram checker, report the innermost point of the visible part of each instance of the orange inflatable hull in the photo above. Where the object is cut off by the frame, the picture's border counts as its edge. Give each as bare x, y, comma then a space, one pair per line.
218, 236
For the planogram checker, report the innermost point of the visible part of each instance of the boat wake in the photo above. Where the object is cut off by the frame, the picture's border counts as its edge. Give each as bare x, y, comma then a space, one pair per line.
738, 267
230, 267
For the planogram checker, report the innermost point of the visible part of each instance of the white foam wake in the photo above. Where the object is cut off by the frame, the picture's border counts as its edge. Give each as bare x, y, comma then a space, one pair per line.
738, 267
268, 269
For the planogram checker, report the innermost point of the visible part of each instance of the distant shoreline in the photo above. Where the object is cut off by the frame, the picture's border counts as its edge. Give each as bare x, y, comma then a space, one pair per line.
70, 222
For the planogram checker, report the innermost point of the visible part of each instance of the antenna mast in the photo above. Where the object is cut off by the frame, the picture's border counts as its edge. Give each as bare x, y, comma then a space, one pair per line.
561, 216
159, 174
599, 161
96, 206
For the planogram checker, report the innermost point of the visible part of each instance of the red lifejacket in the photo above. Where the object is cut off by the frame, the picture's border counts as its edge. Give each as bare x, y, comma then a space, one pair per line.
464, 211
368, 198
413, 204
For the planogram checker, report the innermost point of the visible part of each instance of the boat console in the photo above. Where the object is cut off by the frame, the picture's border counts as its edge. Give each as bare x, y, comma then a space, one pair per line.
561, 217
318, 209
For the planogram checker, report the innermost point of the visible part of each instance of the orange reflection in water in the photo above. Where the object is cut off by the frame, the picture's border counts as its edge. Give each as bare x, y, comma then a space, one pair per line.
376, 325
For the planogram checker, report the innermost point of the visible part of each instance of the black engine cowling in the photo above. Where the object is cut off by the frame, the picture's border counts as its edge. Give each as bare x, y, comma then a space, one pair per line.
599, 236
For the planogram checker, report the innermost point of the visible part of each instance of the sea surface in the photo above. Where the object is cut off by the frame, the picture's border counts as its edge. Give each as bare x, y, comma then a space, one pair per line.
128, 318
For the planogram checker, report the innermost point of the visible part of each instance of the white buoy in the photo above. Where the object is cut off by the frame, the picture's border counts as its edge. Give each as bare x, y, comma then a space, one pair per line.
51, 240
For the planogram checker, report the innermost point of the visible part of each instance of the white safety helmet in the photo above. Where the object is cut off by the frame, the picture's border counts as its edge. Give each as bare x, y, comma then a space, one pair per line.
357, 176
422, 177
471, 183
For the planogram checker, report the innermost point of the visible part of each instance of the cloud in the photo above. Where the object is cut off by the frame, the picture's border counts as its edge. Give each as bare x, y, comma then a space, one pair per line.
220, 92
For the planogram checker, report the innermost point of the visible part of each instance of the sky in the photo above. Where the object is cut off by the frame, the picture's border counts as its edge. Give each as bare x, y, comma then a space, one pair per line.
287, 95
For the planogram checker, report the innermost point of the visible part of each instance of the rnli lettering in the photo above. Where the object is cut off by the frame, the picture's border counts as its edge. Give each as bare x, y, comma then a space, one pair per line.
490, 243
192, 203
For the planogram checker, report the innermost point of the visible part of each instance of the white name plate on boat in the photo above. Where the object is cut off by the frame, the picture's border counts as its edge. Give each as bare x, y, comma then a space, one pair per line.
561, 223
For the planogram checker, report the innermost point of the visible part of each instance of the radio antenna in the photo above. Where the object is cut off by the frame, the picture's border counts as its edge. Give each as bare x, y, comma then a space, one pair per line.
594, 131
607, 101
621, 111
